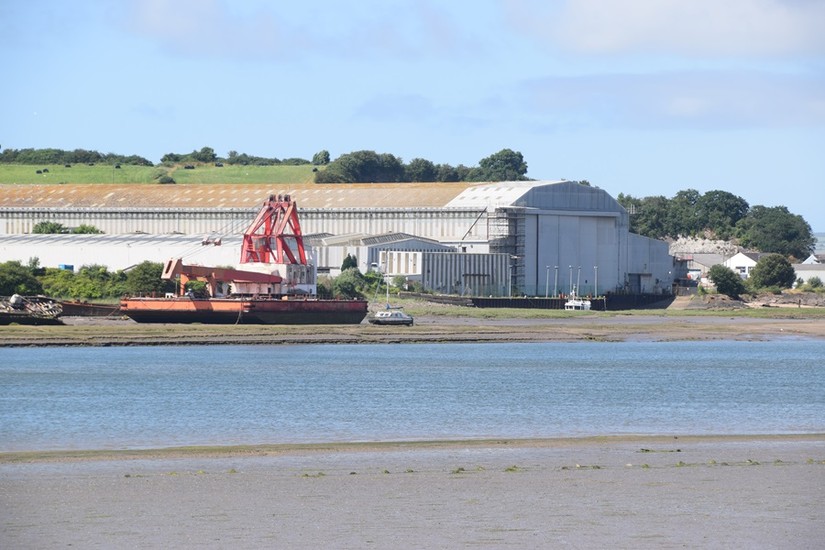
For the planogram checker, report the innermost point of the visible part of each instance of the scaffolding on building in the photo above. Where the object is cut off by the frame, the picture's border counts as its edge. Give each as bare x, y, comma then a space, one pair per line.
506, 230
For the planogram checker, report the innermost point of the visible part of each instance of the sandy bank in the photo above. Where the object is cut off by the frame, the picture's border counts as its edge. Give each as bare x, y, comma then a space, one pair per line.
661, 492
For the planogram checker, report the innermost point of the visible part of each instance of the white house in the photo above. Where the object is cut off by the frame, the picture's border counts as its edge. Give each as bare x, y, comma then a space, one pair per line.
814, 259
806, 272
743, 262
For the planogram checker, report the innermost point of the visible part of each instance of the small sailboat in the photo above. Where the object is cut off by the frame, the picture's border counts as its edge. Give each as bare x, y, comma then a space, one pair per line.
391, 315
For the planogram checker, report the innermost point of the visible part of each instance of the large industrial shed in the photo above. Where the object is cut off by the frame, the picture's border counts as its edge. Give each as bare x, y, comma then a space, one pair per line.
554, 236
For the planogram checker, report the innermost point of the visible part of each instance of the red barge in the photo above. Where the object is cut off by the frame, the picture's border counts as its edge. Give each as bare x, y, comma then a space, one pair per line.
273, 284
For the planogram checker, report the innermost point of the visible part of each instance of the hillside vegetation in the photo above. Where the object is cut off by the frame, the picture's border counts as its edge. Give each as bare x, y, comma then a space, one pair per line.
202, 173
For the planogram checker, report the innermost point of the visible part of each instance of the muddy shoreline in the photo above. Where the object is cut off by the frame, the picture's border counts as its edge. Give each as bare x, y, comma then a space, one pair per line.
90, 331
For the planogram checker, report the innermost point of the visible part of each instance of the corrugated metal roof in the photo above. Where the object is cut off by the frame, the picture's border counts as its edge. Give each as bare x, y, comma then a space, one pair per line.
552, 195
132, 239
491, 195
308, 195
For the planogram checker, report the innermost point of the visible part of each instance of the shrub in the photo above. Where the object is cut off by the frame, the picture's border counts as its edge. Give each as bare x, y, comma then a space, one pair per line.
348, 283
85, 229
49, 228
727, 282
773, 270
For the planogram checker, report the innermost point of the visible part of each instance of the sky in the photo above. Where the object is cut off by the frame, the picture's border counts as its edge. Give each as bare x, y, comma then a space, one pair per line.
641, 97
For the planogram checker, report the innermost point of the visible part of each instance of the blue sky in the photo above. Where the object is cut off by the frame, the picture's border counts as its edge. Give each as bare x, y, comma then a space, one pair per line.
642, 97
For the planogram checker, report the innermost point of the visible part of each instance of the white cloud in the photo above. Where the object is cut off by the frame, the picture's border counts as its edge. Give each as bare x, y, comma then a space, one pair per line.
685, 27
335, 30
208, 27
678, 100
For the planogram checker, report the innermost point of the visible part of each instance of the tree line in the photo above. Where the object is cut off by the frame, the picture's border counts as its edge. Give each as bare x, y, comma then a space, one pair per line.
90, 282
355, 167
721, 215
60, 156
96, 282
372, 167
208, 155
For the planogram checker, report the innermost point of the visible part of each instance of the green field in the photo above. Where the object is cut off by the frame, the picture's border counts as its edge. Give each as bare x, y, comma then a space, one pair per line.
203, 173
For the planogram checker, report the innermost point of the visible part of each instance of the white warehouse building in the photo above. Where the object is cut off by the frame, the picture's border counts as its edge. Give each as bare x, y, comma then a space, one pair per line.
552, 235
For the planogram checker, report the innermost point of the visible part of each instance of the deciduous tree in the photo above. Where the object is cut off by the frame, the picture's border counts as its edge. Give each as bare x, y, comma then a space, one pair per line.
506, 165
15, 278
776, 230
720, 211
772, 270
321, 158
421, 170
726, 281
144, 278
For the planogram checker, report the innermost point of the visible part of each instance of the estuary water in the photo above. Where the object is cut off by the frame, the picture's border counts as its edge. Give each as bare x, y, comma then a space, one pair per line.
143, 397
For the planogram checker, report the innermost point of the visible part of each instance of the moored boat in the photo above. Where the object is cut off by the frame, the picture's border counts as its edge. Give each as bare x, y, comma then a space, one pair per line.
274, 282
576, 303
73, 308
391, 317
229, 311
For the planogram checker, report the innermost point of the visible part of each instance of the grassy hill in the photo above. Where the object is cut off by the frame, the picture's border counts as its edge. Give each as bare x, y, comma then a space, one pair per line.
203, 173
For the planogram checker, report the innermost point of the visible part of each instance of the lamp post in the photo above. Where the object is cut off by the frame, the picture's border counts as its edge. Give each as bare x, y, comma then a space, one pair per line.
547, 283
556, 281
578, 278
510, 274
596, 290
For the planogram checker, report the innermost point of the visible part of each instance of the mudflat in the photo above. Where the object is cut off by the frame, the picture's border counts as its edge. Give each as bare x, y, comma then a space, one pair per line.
620, 492
90, 331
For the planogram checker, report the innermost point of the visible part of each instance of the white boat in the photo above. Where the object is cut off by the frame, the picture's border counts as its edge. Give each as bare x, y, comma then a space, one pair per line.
391, 317
575, 303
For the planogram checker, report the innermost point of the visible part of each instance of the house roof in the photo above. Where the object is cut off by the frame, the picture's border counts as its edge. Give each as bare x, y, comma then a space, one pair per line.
707, 260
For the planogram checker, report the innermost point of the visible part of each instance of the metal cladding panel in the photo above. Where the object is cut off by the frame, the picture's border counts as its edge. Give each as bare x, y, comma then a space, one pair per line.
570, 250
650, 259
466, 274
572, 196
117, 251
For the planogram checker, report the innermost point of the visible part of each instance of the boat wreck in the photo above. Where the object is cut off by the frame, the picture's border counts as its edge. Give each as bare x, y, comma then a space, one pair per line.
30, 310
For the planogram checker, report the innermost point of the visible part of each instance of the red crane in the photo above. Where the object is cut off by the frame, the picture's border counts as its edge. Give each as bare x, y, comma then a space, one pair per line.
268, 238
